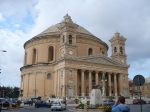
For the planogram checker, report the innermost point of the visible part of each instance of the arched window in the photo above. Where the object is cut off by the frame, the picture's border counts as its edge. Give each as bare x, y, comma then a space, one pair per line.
121, 50
90, 51
25, 59
115, 49
70, 39
49, 76
34, 56
50, 53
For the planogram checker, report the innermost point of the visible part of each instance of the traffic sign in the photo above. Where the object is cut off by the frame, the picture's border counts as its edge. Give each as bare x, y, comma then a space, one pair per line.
139, 80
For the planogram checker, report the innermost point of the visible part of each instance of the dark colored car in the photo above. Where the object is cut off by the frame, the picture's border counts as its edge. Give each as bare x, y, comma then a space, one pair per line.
108, 102
138, 101
4, 104
39, 104
28, 102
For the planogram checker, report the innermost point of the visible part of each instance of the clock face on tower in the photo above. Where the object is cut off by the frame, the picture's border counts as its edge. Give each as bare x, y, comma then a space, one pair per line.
70, 52
122, 61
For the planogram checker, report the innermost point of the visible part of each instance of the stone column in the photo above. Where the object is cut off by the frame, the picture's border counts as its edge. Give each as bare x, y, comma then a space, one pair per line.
23, 85
103, 85
115, 84
28, 85
35, 90
109, 81
44, 77
75, 82
126, 85
90, 82
97, 80
121, 84
82, 83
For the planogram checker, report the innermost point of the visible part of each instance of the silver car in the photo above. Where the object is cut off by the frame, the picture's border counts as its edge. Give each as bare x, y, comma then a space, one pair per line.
58, 106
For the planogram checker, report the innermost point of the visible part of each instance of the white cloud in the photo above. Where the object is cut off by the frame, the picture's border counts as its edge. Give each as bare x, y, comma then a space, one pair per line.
17, 26
102, 18
11, 61
17, 8
1, 17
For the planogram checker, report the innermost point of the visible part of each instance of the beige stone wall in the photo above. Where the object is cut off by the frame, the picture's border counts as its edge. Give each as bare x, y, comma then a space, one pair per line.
42, 50
83, 44
36, 83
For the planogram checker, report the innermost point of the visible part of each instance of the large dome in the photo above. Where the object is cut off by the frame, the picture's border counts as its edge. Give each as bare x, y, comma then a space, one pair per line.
67, 19
66, 24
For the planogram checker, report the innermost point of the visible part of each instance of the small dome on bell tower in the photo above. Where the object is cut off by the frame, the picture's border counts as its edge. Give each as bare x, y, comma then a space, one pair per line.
68, 19
118, 48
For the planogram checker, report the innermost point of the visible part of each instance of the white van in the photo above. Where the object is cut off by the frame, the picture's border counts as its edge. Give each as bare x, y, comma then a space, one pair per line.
58, 105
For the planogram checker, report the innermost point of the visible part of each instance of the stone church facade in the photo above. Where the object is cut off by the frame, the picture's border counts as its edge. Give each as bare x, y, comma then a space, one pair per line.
67, 60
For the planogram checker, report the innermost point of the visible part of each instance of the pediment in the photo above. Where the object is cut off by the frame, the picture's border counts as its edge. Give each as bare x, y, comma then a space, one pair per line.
102, 60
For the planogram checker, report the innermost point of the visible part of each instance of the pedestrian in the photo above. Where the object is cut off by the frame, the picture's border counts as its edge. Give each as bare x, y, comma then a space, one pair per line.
120, 105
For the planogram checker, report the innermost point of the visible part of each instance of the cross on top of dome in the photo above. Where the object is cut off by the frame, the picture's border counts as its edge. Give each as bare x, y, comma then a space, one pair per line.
68, 19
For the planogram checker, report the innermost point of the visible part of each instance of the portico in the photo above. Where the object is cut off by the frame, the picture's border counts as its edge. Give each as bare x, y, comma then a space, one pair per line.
113, 83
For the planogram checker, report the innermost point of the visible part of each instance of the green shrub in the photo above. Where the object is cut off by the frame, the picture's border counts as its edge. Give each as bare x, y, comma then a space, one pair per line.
76, 101
106, 108
80, 106
111, 97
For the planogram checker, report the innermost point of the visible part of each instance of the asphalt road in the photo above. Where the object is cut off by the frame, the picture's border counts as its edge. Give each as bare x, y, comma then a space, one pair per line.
133, 108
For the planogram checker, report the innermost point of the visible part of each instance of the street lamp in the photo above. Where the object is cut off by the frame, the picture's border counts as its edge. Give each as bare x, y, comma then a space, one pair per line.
3, 50
0, 72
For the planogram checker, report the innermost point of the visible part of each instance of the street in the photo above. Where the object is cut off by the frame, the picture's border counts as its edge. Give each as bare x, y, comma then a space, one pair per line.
133, 108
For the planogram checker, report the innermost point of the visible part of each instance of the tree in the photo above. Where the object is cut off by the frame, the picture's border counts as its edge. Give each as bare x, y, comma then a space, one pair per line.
11, 92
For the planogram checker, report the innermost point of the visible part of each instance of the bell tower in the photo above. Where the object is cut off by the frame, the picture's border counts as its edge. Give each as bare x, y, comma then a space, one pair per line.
67, 37
118, 48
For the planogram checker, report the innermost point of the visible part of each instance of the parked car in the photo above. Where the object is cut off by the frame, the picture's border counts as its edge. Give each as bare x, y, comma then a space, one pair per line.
28, 102
138, 101
42, 104
4, 104
58, 106
108, 102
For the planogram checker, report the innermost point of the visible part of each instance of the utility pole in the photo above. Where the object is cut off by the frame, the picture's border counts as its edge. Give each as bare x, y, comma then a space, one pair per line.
3, 90
3, 93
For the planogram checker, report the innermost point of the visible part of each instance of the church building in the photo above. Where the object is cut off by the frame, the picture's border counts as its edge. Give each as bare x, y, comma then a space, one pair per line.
68, 60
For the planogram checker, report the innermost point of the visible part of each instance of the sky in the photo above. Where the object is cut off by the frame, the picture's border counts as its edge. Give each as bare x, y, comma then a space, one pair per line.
20, 20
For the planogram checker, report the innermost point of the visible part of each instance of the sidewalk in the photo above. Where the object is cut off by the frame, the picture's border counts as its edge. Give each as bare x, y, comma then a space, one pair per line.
81, 110
88, 110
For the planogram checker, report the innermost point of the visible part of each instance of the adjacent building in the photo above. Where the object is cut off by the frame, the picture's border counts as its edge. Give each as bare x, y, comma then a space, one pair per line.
68, 60
136, 90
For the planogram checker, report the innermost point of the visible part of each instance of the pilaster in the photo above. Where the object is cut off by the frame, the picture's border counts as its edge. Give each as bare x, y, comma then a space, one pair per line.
109, 81
83, 83
115, 84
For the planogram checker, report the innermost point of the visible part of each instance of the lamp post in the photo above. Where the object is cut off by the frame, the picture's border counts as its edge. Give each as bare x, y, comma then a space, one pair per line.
3, 50
0, 72
3, 93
